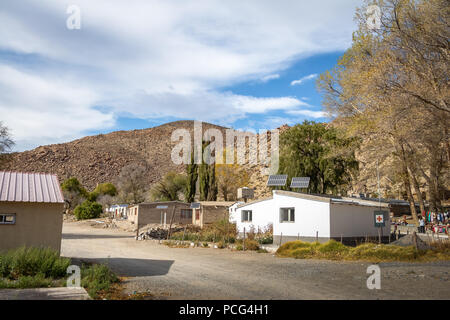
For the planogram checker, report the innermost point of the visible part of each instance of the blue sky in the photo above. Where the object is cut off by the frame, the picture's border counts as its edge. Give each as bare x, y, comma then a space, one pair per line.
136, 64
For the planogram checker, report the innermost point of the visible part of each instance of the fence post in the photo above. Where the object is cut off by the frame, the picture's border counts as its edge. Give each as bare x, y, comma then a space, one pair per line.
281, 238
184, 232
341, 238
243, 242
317, 236
415, 239
298, 236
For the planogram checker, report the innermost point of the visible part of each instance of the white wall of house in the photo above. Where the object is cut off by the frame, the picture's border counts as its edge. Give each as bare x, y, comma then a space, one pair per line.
314, 215
262, 215
311, 216
351, 220
232, 216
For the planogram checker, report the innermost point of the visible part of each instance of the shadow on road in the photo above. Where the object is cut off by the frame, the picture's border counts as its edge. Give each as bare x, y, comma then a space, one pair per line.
92, 236
126, 267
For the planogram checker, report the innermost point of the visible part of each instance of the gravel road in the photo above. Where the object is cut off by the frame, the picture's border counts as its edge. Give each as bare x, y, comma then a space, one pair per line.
200, 273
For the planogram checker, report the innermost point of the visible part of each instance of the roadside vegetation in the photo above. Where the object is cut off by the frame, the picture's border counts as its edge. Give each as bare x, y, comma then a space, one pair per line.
27, 267
333, 250
223, 235
84, 204
220, 231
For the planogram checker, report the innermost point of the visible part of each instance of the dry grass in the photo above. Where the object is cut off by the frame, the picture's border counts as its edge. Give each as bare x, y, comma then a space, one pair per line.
333, 250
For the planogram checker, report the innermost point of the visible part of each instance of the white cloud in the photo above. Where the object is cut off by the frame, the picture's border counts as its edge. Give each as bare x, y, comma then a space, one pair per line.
304, 79
308, 113
154, 58
46, 110
270, 77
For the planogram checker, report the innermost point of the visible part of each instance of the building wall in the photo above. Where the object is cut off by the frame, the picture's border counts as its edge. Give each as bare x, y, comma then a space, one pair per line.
262, 215
132, 213
149, 213
37, 225
211, 214
311, 217
355, 221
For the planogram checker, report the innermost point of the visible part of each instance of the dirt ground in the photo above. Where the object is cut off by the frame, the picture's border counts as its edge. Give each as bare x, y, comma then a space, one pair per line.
206, 273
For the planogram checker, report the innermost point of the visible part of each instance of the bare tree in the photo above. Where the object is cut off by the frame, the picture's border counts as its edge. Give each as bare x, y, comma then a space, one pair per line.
132, 184
6, 143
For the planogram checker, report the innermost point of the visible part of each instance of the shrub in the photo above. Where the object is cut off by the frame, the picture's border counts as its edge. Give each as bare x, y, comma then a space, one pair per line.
97, 278
88, 210
221, 245
31, 262
368, 252
249, 245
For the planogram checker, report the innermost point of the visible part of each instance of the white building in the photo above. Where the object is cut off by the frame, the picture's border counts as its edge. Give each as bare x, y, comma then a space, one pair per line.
307, 217
232, 211
118, 210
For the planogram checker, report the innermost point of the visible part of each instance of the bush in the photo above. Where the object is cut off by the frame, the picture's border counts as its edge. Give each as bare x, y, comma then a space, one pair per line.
97, 279
88, 210
31, 262
368, 252
249, 245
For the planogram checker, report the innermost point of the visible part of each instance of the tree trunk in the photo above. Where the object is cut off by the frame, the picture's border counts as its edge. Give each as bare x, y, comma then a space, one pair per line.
418, 192
407, 184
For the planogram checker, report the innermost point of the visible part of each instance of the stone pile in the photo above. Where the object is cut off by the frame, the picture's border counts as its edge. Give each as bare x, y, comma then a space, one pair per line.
157, 233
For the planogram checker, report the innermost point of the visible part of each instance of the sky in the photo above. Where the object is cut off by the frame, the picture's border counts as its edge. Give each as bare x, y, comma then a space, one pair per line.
136, 64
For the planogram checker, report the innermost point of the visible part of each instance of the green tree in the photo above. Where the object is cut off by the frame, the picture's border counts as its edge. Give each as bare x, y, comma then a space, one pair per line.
192, 177
106, 189
169, 188
314, 150
207, 177
74, 192
103, 189
88, 210
213, 189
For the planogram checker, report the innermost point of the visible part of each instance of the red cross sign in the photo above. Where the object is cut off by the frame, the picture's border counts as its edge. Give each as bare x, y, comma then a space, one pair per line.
379, 218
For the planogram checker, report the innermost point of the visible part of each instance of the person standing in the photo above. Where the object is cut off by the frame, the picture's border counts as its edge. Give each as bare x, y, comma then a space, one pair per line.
421, 225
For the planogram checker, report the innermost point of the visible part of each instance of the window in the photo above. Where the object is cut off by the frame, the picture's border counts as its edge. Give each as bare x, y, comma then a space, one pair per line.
186, 213
246, 215
287, 215
8, 218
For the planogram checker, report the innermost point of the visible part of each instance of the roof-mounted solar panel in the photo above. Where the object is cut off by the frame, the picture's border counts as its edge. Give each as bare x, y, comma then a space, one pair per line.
300, 182
277, 180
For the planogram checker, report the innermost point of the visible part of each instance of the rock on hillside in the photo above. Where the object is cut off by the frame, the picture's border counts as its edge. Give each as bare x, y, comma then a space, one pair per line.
100, 158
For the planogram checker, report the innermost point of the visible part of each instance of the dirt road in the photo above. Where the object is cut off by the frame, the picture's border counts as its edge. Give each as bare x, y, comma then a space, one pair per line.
198, 273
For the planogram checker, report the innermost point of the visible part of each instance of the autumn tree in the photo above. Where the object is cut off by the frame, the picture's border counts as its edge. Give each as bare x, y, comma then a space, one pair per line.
391, 86
229, 178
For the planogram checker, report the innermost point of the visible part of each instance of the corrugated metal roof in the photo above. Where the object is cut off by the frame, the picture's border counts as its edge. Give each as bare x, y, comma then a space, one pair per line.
30, 187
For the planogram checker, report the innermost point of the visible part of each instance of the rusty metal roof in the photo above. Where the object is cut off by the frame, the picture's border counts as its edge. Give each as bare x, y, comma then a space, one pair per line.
30, 187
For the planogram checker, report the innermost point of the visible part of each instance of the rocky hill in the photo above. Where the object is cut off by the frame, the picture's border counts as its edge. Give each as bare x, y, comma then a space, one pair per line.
100, 158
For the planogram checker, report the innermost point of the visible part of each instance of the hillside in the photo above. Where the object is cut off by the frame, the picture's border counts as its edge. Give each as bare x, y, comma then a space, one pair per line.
100, 158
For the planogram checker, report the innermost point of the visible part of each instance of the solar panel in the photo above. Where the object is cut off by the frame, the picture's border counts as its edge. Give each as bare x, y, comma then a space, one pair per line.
277, 180
300, 182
